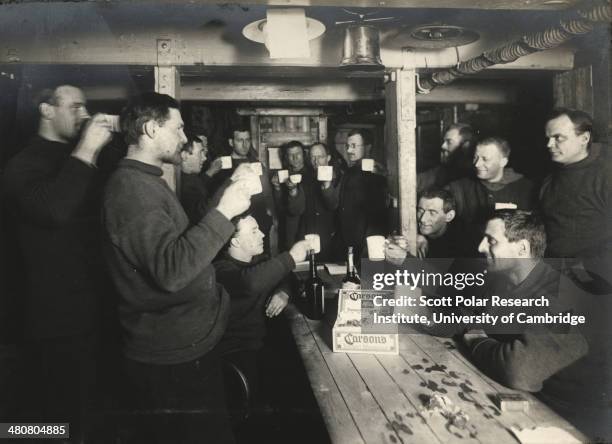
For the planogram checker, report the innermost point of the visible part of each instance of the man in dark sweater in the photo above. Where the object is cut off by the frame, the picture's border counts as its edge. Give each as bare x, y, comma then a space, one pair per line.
257, 287
194, 187
263, 206
456, 154
360, 200
287, 196
495, 186
52, 189
522, 356
566, 365
576, 199
172, 310
440, 234
308, 204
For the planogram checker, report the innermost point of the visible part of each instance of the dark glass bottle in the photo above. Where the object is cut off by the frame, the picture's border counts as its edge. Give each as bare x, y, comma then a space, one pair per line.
350, 275
315, 292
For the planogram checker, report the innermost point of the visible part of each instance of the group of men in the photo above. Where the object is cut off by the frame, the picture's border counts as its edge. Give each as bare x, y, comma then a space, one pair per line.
497, 213
180, 313
176, 316
574, 200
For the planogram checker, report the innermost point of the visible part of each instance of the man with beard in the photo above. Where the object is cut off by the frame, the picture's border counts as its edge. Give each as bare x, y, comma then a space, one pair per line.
171, 308
456, 155
52, 188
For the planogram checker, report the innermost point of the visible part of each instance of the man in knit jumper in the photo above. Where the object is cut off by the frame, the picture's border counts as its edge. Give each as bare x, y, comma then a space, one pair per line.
576, 199
495, 186
565, 365
522, 356
286, 194
195, 188
308, 205
52, 189
172, 310
456, 154
257, 287
263, 206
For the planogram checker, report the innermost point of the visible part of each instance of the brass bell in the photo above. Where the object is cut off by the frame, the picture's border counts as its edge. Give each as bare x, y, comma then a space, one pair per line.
361, 48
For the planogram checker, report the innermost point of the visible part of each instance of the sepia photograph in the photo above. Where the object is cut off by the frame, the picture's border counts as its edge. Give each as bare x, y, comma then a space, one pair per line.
305, 222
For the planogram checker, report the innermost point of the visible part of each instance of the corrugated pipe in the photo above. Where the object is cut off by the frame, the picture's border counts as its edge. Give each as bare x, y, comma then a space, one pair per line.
582, 22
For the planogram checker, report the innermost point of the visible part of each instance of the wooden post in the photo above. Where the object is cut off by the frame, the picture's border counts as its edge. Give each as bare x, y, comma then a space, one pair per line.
260, 149
168, 81
400, 94
323, 129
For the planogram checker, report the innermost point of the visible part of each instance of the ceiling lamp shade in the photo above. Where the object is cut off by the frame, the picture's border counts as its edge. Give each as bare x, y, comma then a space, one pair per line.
285, 32
361, 50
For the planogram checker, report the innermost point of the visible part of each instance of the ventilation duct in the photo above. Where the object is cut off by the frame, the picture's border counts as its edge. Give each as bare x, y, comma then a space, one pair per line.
582, 22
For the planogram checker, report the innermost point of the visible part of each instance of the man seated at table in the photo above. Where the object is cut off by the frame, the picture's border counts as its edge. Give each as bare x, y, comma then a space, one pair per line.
527, 356
257, 287
440, 234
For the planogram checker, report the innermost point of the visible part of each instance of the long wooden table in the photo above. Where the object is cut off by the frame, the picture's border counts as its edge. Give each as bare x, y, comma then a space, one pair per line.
366, 398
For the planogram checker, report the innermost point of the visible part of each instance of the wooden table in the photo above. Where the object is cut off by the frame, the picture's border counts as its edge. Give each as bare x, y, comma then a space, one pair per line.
367, 398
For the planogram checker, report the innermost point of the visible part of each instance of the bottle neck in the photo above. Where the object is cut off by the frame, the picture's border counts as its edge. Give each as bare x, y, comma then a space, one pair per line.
313, 264
350, 268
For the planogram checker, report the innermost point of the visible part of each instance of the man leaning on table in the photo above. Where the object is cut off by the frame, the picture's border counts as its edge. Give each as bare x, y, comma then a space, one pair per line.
172, 310
558, 361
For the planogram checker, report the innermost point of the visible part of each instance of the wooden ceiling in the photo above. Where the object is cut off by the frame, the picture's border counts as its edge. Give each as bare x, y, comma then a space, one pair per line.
432, 4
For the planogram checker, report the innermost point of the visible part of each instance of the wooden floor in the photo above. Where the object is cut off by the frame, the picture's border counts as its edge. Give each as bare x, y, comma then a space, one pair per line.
367, 398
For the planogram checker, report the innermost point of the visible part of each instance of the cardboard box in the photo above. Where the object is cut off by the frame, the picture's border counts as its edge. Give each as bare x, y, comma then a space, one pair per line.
354, 330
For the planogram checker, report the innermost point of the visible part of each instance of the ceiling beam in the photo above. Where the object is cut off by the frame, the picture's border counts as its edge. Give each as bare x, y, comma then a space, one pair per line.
538, 5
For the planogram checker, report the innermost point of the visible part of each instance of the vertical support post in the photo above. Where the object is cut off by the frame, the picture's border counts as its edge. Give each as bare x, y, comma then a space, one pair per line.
400, 95
168, 81
259, 148
323, 129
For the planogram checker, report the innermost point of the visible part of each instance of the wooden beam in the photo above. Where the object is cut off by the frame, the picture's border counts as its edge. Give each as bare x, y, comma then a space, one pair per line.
323, 129
401, 149
280, 111
466, 4
167, 81
472, 91
283, 90
462, 91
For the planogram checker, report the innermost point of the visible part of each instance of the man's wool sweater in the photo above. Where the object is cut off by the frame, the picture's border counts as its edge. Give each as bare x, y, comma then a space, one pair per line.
172, 310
